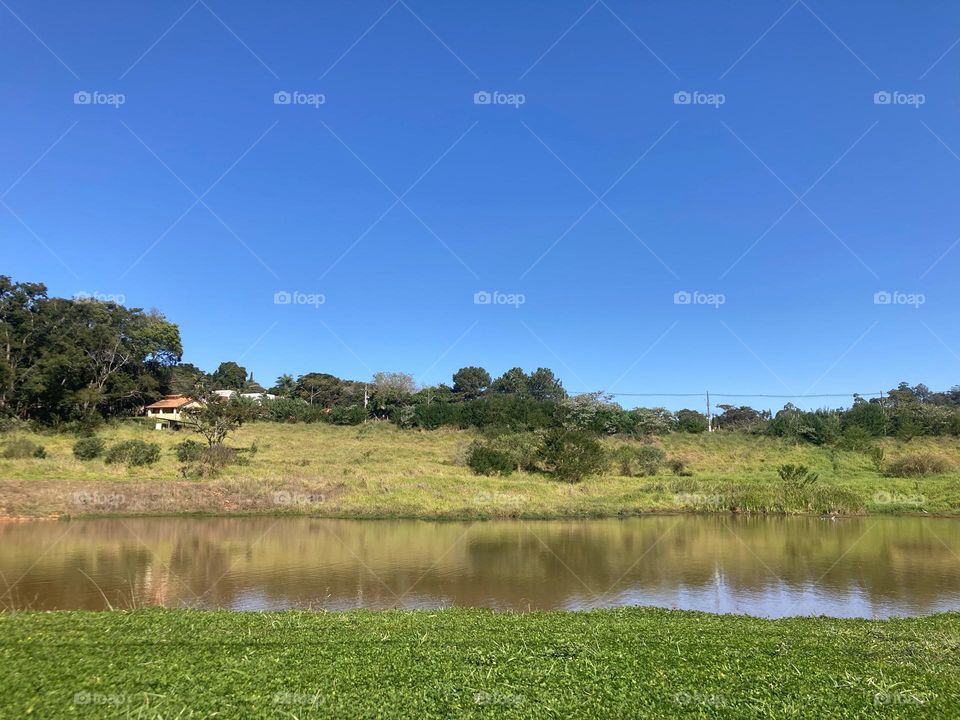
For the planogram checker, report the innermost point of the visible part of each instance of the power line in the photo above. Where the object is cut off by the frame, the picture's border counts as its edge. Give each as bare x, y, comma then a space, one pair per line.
743, 395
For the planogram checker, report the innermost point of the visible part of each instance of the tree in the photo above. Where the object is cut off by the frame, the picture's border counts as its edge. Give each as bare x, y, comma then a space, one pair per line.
20, 329
543, 385
229, 376
513, 382
471, 381
284, 386
691, 421
184, 378
215, 418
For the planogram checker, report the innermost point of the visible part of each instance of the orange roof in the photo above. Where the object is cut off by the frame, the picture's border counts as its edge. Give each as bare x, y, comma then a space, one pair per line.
170, 401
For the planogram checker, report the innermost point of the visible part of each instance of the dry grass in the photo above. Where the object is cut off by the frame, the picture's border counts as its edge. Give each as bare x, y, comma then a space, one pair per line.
379, 470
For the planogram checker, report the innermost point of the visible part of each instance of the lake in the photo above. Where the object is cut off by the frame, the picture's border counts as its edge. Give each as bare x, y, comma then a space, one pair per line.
764, 566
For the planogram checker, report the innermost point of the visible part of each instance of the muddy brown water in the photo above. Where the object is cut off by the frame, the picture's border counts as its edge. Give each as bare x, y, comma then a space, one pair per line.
770, 567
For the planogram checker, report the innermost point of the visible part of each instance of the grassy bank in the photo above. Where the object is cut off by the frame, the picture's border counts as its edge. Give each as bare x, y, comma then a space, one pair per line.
468, 663
377, 470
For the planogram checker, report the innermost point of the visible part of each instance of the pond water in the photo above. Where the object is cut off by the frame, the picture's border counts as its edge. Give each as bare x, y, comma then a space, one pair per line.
770, 567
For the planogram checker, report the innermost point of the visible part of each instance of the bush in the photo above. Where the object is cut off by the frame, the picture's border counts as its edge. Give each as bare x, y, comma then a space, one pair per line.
133, 453
88, 448
485, 460
571, 455
916, 466
691, 421
798, 476
22, 448
190, 451
678, 466
639, 461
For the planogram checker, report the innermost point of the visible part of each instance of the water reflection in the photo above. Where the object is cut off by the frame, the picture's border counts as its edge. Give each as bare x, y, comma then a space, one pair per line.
867, 567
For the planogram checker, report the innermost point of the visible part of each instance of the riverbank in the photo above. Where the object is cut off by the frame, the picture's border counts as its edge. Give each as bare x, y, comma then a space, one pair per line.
472, 663
377, 470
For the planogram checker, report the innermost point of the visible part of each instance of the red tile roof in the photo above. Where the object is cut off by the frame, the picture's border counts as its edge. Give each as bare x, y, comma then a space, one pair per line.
170, 401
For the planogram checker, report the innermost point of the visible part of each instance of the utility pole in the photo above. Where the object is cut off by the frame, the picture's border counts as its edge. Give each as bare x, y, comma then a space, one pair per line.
709, 415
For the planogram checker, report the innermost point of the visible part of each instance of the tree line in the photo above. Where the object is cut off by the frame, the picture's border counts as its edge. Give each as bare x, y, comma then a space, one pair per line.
79, 361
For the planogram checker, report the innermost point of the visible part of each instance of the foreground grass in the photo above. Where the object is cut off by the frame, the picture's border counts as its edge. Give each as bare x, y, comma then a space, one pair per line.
643, 663
377, 470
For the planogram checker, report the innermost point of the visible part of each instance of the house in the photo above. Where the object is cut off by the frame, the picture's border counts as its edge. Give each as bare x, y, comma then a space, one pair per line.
167, 411
257, 397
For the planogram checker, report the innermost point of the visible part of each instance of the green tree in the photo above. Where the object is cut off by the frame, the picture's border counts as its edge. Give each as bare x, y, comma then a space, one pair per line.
284, 386
229, 376
471, 381
513, 382
543, 385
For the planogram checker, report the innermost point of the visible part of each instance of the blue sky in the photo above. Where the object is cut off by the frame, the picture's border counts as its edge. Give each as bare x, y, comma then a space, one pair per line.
782, 198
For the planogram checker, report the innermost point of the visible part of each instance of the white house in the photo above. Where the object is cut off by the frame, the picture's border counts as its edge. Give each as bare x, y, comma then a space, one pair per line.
169, 409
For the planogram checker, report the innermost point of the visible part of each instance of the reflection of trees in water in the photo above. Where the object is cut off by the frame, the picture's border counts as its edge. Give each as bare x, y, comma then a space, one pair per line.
340, 563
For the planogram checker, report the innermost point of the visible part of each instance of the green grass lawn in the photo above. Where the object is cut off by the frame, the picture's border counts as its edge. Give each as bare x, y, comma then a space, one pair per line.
643, 663
377, 470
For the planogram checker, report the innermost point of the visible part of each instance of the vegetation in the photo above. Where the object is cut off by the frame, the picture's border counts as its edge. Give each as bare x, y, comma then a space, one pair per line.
133, 453
88, 448
644, 663
379, 470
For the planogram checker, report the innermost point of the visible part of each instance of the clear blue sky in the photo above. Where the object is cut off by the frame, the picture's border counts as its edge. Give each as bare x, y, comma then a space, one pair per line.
304, 197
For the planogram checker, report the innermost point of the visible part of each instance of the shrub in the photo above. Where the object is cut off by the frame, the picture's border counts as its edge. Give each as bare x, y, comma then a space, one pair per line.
798, 476
190, 451
88, 448
523, 449
22, 448
133, 453
678, 466
570, 455
916, 465
691, 421
485, 460
639, 461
